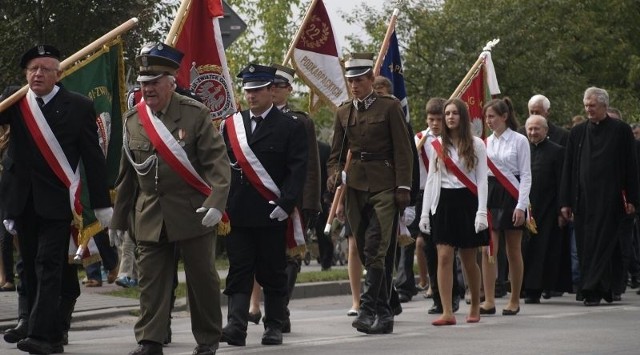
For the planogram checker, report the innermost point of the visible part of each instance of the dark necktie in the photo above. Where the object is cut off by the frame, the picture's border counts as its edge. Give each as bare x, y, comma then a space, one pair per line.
360, 105
40, 101
257, 120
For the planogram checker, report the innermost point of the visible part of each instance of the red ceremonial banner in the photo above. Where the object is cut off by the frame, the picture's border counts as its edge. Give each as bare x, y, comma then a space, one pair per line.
476, 95
204, 67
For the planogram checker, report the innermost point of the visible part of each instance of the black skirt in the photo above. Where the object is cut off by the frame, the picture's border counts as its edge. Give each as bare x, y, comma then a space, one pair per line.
501, 204
454, 221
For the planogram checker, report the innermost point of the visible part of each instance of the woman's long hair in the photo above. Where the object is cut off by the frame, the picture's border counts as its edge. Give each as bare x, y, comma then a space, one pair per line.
465, 138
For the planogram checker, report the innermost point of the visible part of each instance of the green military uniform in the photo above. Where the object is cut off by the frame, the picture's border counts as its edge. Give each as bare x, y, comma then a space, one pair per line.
378, 181
381, 161
165, 212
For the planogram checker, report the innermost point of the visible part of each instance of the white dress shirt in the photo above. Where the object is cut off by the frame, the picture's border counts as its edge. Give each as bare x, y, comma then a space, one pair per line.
511, 154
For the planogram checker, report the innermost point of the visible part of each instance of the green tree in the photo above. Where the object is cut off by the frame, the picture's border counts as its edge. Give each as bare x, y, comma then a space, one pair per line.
72, 24
556, 48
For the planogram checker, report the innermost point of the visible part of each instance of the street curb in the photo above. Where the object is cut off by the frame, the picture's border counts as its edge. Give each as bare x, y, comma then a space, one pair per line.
303, 290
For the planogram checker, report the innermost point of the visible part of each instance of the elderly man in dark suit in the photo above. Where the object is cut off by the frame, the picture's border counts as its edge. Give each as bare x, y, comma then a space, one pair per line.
378, 181
269, 152
52, 129
176, 175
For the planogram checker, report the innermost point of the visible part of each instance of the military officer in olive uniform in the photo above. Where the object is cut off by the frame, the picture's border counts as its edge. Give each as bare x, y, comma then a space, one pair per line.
378, 181
174, 208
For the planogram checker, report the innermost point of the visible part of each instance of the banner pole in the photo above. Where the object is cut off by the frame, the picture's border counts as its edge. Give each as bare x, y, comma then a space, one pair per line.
90, 48
385, 43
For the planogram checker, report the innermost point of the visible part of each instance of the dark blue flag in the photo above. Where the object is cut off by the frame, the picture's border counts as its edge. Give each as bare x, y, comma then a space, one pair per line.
392, 69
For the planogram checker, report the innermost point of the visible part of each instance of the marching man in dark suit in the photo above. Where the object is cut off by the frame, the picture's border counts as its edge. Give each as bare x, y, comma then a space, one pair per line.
269, 153
175, 173
378, 181
52, 129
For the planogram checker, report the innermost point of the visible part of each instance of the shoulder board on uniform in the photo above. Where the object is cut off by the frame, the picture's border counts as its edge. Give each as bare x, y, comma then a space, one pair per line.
345, 102
388, 97
186, 100
130, 112
297, 114
290, 115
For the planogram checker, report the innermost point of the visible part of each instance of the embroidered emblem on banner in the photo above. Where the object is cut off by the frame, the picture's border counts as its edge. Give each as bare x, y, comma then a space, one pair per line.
210, 85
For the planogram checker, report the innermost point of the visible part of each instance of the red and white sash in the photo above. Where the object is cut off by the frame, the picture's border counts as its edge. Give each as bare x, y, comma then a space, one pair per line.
259, 177
465, 180
454, 168
52, 152
170, 150
423, 151
509, 182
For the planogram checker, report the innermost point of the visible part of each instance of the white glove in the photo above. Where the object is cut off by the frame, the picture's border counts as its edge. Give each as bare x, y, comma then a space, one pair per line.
425, 224
10, 226
481, 222
343, 176
409, 215
103, 215
211, 218
116, 237
278, 213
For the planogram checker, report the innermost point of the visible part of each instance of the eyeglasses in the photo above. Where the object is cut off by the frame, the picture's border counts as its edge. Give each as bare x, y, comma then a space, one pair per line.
43, 70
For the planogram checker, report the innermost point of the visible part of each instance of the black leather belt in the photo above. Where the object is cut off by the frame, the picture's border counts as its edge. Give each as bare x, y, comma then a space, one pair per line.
365, 156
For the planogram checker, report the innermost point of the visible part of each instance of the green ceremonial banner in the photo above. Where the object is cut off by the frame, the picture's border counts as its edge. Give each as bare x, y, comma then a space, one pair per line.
101, 78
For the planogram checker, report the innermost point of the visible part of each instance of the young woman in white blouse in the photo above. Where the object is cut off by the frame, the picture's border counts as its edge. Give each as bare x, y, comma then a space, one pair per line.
454, 203
509, 184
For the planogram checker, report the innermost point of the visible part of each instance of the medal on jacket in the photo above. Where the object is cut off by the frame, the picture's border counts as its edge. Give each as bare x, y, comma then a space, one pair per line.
181, 135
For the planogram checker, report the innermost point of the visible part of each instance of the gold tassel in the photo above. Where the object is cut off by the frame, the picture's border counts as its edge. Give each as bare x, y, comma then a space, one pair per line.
299, 250
223, 228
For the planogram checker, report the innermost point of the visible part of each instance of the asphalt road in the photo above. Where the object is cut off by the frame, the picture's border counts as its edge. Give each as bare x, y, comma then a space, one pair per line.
320, 326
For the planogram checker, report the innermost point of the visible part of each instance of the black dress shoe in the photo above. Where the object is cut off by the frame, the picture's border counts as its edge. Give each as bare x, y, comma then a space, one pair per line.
616, 297
205, 349
255, 317
491, 310
435, 309
18, 333
35, 346
286, 326
233, 336
591, 302
532, 300
508, 312
404, 298
147, 348
397, 310
57, 348
272, 336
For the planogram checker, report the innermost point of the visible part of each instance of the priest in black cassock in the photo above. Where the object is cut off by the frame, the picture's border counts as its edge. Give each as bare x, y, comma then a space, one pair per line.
600, 187
547, 258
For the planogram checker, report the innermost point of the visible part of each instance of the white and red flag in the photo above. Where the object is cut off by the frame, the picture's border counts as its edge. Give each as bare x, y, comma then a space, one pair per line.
204, 67
479, 88
314, 55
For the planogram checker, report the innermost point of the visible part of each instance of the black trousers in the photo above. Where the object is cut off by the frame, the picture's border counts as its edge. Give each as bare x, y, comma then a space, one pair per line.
43, 245
260, 252
325, 243
6, 248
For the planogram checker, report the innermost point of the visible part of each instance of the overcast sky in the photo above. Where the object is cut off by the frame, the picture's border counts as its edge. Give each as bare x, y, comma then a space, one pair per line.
336, 8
